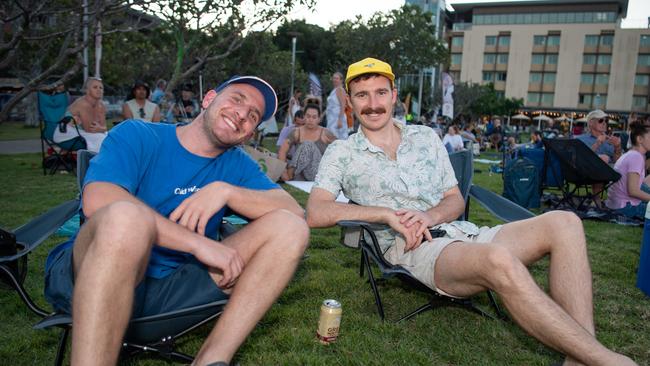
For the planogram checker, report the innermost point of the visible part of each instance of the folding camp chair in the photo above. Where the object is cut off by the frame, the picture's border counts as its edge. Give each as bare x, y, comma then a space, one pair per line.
579, 168
362, 235
61, 154
152, 334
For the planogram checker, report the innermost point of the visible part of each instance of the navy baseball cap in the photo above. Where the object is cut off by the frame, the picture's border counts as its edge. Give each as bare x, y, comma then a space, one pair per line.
270, 98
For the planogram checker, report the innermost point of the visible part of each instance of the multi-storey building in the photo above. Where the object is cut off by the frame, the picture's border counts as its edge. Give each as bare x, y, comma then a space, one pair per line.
568, 55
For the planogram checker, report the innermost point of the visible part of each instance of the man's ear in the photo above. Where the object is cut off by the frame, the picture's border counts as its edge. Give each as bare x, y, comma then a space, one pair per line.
208, 98
394, 95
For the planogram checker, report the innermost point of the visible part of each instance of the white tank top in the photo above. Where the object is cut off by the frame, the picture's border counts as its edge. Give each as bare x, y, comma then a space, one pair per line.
149, 109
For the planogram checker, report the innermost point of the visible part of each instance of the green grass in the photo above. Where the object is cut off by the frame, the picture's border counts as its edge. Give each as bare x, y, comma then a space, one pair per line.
286, 335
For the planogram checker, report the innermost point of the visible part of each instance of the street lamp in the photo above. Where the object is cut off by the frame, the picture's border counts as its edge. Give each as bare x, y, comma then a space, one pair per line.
294, 38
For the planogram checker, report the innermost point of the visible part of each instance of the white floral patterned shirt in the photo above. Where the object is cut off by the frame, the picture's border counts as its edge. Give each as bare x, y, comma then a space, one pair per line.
417, 179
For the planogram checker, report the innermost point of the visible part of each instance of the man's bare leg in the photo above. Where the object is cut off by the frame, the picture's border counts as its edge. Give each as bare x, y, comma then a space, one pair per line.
271, 247
110, 257
464, 269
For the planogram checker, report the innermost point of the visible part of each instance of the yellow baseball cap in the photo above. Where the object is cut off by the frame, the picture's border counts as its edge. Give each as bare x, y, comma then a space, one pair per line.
369, 65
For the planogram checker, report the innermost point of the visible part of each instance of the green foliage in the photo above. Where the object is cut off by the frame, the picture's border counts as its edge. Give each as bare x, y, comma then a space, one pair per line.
316, 48
472, 100
403, 37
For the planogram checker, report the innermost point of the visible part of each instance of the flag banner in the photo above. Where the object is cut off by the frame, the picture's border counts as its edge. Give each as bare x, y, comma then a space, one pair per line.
447, 97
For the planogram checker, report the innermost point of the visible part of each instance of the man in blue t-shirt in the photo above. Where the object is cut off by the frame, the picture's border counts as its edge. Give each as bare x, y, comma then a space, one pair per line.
154, 198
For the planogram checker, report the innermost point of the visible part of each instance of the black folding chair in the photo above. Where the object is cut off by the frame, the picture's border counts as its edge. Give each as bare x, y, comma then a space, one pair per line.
359, 234
579, 169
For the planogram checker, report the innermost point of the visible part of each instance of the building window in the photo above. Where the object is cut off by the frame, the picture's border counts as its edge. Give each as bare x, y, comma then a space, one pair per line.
643, 60
602, 79
539, 40
604, 59
503, 58
607, 40
535, 77
587, 79
504, 41
457, 41
456, 58
538, 59
591, 40
549, 78
547, 99
641, 80
500, 94
488, 76
490, 40
645, 40
553, 41
584, 99
533, 98
551, 59
639, 102
589, 59
489, 58
501, 76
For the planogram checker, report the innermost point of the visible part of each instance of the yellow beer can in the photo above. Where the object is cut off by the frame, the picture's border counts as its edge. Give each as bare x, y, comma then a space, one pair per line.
329, 322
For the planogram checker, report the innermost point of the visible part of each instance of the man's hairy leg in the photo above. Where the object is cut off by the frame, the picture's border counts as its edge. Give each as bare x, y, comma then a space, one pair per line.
564, 322
271, 247
110, 257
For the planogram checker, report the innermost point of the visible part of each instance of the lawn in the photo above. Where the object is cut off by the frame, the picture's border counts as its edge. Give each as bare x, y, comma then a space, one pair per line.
286, 335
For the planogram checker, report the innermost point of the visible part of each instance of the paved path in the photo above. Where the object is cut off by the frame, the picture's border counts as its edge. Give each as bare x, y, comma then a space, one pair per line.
20, 146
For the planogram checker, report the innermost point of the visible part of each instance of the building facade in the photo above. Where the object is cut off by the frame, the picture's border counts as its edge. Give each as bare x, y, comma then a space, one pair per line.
557, 55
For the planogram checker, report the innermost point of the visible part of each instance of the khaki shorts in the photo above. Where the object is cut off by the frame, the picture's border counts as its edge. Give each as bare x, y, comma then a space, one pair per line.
421, 262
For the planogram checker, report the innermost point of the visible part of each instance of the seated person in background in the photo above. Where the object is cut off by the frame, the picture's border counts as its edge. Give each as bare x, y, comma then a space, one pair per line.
310, 142
469, 132
297, 121
452, 140
536, 140
629, 196
496, 134
138, 106
184, 108
88, 114
401, 176
607, 147
154, 198
159, 92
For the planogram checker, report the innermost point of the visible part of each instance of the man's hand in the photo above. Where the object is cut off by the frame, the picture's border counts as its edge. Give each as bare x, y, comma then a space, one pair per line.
96, 126
223, 258
615, 141
419, 220
413, 235
196, 210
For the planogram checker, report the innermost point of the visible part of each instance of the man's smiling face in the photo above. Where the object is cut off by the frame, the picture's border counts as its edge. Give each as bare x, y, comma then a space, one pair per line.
372, 100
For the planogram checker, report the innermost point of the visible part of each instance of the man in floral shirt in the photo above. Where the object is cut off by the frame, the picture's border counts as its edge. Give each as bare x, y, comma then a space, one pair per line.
401, 176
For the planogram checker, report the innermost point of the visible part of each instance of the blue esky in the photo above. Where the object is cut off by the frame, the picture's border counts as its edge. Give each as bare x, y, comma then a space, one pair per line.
329, 12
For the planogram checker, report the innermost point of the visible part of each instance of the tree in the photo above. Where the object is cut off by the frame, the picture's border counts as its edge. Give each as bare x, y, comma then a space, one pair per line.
403, 37
317, 50
472, 100
47, 37
208, 31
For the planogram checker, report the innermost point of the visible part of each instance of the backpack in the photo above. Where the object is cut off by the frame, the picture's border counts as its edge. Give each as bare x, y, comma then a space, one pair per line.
521, 183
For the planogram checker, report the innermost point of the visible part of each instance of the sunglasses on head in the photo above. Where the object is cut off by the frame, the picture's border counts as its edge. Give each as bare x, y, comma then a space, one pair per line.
141, 111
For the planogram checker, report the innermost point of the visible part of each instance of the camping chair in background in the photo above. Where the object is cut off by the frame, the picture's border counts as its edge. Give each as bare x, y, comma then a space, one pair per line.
360, 234
56, 155
155, 334
579, 168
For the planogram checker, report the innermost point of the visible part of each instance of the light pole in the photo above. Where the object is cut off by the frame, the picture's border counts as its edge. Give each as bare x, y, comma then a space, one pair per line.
294, 39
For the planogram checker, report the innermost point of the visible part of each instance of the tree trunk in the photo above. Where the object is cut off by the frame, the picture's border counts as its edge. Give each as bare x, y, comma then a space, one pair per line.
31, 110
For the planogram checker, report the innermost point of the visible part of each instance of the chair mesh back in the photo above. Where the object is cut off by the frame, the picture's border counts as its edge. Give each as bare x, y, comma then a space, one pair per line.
463, 166
580, 165
83, 162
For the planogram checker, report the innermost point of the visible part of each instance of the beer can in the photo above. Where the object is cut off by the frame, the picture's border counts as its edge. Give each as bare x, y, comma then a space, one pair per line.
329, 322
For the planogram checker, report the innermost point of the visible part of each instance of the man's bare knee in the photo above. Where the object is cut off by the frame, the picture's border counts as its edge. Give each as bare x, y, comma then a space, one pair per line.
123, 229
292, 228
503, 271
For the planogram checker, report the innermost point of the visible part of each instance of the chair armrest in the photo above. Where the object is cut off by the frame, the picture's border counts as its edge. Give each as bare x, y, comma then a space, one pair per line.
499, 206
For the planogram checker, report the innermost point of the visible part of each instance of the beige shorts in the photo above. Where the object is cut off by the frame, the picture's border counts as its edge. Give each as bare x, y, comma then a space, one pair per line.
421, 262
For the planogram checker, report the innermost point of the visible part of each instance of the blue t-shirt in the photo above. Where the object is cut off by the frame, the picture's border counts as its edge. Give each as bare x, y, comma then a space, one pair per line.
604, 149
149, 162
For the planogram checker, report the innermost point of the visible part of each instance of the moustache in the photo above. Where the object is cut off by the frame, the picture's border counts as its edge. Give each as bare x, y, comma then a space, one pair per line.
379, 110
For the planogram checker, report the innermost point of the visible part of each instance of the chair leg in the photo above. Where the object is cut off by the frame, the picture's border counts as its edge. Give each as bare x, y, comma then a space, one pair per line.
63, 343
362, 264
13, 281
421, 309
497, 309
373, 284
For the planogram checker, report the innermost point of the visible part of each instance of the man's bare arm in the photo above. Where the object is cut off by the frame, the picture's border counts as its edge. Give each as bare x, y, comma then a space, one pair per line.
324, 211
450, 207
